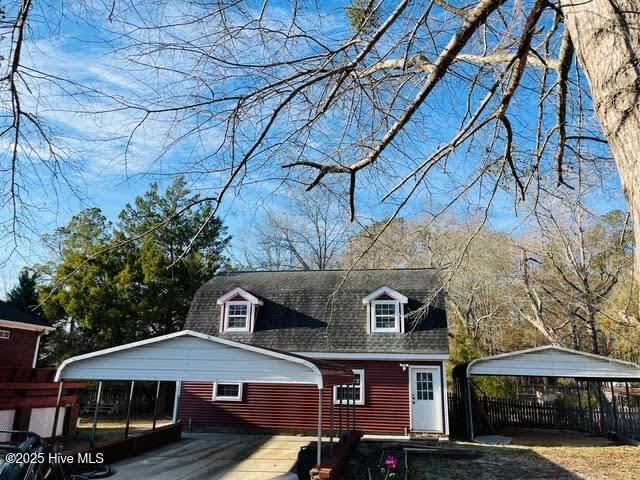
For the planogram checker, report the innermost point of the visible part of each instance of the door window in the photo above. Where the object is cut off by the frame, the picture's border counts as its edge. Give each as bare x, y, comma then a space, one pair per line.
424, 385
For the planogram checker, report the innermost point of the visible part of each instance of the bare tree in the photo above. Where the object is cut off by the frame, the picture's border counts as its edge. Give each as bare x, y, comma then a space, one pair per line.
481, 277
577, 262
310, 234
417, 94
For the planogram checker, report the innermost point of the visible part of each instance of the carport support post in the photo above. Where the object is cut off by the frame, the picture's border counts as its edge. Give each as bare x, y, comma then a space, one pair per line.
54, 431
470, 406
155, 405
591, 419
331, 432
129, 401
176, 401
354, 406
580, 411
347, 391
319, 447
340, 394
602, 426
614, 406
95, 414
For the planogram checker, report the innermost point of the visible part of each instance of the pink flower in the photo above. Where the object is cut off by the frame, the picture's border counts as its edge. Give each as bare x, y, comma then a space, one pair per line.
391, 463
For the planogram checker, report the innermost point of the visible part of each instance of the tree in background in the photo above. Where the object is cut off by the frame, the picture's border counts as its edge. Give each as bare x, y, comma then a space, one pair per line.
572, 295
478, 277
165, 279
310, 235
25, 293
581, 258
134, 286
89, 310
397, 95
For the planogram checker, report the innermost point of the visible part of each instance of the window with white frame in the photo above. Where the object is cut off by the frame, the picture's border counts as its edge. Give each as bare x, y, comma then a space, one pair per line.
385, 311
386, 316
237, 316
238, 310
5, 334
227, 392
347, 392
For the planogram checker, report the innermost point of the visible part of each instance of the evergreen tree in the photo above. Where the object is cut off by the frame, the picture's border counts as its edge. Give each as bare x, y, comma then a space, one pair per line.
139, 281
25, 293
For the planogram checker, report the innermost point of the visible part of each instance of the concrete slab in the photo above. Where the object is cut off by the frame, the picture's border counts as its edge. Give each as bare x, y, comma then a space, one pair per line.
214, 456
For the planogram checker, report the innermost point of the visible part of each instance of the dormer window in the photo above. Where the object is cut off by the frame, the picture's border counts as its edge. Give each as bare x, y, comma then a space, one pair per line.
237, 316
386, 316
385, 311
238, 311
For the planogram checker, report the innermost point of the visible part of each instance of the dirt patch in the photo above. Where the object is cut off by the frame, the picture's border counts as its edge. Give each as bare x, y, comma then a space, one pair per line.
488, 463
108, 429
549, 455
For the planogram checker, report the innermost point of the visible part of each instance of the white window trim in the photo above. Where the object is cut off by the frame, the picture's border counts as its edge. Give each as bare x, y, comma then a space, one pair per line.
385, 291
239, 291
361, 387
5, 334
399, 317
247, 327
220, 398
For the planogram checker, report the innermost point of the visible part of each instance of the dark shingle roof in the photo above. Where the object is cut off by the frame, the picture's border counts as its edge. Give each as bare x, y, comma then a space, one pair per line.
300, 314
11, 313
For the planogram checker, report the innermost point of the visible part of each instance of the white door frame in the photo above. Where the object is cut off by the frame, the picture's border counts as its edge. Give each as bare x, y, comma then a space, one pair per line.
442, 393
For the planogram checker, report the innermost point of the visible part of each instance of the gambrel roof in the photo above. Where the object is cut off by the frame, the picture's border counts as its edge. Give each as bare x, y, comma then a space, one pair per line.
313, 311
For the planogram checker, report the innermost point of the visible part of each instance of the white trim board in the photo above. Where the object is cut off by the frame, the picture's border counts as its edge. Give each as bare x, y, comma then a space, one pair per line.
243, 293
436, 357
388, 291
25, 326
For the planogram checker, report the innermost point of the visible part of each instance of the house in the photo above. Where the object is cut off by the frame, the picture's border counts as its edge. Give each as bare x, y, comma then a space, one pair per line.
388, 326
20, 335
28, 395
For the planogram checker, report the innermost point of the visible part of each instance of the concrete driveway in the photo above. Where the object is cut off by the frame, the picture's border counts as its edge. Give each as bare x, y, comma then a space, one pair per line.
209, 456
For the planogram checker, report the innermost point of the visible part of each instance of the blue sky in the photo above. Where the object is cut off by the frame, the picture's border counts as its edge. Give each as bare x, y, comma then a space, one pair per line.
105, 176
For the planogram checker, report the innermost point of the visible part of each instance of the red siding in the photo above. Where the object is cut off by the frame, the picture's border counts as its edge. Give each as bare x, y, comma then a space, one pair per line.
17, 351
295, 407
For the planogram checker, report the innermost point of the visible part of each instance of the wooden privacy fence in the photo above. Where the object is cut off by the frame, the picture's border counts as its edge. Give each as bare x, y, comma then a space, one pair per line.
521, 413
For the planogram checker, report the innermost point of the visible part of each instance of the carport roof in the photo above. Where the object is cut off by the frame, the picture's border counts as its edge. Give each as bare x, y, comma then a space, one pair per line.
194, 356
554, 361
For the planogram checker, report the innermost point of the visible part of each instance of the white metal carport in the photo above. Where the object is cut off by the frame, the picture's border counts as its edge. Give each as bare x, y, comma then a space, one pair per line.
547, 361
193, 356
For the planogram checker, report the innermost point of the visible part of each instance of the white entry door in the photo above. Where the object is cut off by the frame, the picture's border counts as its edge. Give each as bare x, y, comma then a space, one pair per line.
426, 399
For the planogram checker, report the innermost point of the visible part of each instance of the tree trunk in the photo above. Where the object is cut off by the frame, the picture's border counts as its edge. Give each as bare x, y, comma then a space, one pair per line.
593, 327
606, 37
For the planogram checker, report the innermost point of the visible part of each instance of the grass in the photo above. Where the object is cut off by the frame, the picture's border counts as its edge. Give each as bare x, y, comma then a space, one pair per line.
545, 454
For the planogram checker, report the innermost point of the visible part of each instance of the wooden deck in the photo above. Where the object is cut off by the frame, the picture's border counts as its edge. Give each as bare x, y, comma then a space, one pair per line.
213, 456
